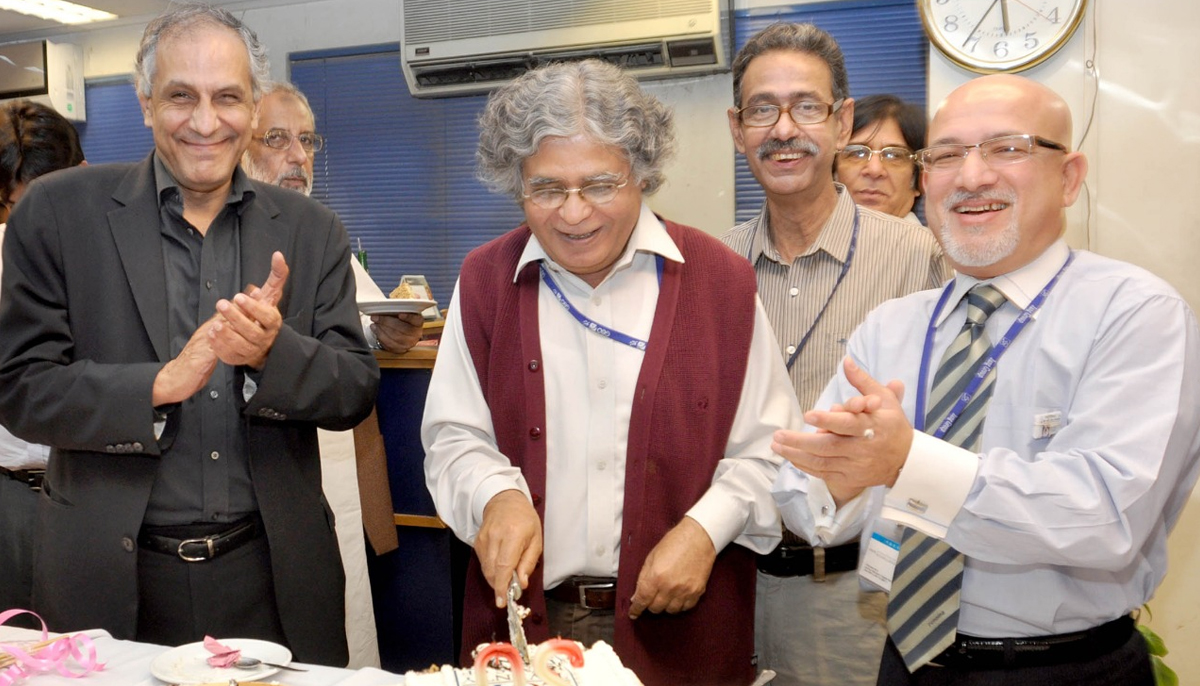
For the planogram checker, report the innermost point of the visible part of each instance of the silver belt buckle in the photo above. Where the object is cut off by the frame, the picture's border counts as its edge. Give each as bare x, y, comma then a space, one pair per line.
584, 588
208, 540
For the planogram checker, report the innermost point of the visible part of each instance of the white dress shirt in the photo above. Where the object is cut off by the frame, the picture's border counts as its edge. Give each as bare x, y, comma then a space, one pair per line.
589, 389
1091, 446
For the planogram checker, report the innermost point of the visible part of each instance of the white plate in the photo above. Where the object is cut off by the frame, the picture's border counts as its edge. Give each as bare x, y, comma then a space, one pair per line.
188, 664
394, 305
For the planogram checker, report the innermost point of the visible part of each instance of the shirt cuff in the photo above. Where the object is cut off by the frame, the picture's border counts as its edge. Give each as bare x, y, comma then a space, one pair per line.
808, 509
722, 518
932, 486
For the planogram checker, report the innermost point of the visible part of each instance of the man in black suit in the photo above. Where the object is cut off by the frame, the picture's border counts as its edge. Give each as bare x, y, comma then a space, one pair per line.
183, 493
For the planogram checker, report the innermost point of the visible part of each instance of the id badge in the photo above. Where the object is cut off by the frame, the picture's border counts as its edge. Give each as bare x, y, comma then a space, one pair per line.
879, 562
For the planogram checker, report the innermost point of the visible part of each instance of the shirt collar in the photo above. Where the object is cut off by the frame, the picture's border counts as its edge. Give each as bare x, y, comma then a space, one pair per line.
1020, 286
649, 236
834, 238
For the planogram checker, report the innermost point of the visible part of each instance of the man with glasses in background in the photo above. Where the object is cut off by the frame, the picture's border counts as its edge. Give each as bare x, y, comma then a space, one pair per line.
822, 263
607, 383
1018, 496
879, 166
282, 153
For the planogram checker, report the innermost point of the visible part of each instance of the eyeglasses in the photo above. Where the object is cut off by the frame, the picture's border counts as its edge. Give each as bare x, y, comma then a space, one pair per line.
600, 193
803, 112
891, 156
996, 152
281, 139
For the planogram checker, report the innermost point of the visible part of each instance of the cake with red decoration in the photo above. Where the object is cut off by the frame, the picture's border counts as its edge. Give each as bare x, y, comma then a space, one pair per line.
557, 662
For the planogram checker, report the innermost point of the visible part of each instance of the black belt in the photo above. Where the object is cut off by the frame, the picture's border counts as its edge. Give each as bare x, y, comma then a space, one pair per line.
30, 477
201, 547
802, 559
969, 652
589, 592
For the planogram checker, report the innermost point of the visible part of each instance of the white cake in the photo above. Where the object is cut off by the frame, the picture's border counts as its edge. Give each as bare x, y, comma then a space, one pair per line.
601, 667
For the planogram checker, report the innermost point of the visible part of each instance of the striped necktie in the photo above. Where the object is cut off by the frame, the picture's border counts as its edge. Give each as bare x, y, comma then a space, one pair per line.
923, 604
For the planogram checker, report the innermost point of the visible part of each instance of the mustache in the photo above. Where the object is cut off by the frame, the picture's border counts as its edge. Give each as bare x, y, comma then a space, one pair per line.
774, 145
295, 173
960, 196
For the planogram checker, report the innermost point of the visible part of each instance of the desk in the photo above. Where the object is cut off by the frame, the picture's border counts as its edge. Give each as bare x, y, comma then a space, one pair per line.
127, 663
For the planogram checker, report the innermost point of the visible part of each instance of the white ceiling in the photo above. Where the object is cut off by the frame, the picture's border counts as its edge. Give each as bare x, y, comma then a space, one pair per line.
18, 27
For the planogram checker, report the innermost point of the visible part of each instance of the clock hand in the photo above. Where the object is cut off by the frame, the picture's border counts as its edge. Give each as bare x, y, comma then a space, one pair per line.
1004, 14
1035, 11
980, 22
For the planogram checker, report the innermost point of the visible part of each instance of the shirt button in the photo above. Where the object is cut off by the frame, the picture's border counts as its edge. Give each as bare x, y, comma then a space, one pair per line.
601, 465
214, 455
208, 284
127, 544
596, 301
791, 349
602, 383
794, 292
600, 551
214, 394
825, 510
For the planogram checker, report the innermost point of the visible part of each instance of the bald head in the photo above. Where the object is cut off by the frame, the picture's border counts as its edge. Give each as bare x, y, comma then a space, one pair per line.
996, 214
1042, 111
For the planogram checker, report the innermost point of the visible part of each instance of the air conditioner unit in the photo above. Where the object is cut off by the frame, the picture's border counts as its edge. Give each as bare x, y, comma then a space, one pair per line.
470, 46
50, 73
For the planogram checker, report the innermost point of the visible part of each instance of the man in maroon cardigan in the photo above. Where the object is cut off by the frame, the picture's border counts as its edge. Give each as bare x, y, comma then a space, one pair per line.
607, 384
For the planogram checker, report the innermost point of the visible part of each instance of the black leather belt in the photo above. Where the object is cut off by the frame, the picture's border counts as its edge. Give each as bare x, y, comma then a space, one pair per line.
30, 477
969, 652
802, 559
200, 548
589, 592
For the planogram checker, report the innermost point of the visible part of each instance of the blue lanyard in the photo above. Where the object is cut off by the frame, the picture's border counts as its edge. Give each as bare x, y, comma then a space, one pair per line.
985, 367
587, 323
842, 275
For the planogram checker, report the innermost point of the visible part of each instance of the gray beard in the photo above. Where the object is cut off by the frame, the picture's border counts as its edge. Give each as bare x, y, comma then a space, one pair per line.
258, 174
978, 249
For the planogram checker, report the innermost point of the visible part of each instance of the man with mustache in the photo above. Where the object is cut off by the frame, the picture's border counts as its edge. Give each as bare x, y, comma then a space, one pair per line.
822, 263
281, 153
1042, 478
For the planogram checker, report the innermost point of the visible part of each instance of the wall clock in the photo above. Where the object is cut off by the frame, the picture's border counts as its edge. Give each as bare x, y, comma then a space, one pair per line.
990, 36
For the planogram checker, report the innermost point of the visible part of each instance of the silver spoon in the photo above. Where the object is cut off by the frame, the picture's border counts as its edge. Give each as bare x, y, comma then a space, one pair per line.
255, 663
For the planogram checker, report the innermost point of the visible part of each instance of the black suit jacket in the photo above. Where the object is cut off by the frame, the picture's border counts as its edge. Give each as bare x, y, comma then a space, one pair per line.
84, 322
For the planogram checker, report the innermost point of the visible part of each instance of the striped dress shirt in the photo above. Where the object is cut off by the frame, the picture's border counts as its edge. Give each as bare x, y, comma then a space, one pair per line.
893, 257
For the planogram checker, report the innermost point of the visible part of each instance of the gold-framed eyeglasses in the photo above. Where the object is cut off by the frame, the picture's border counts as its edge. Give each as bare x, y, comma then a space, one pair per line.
891, 156
599, 193
281, 139
801, 112
996, 152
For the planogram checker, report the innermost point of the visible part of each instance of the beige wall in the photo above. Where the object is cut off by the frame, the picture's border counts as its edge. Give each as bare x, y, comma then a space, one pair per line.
1144, 147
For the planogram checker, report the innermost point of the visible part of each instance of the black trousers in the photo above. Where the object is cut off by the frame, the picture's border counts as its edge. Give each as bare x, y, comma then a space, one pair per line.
18, 513
1128, 665
231, 596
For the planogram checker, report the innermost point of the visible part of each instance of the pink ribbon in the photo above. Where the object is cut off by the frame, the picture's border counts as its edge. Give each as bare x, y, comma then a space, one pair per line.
54, 657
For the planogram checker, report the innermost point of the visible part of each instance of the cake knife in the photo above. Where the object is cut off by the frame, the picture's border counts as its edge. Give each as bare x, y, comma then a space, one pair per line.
516, 632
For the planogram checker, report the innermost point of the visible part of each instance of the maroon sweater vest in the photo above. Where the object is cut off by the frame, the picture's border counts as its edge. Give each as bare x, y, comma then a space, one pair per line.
687, 394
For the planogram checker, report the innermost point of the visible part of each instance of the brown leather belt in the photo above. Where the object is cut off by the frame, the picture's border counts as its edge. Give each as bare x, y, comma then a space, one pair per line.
30, 477
969, 652
589, 592
789, 560
200, 548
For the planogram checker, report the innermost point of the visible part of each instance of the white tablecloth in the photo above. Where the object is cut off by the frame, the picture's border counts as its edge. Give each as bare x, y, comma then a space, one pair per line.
127, 663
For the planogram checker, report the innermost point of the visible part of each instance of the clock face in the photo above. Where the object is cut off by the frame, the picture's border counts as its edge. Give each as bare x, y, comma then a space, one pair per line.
991, 36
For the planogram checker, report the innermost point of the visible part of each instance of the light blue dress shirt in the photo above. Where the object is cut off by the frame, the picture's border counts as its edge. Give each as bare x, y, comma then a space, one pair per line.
1091, 446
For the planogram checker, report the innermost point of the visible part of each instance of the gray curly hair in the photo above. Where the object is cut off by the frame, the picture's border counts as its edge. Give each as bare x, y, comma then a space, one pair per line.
588, 97
182, 18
